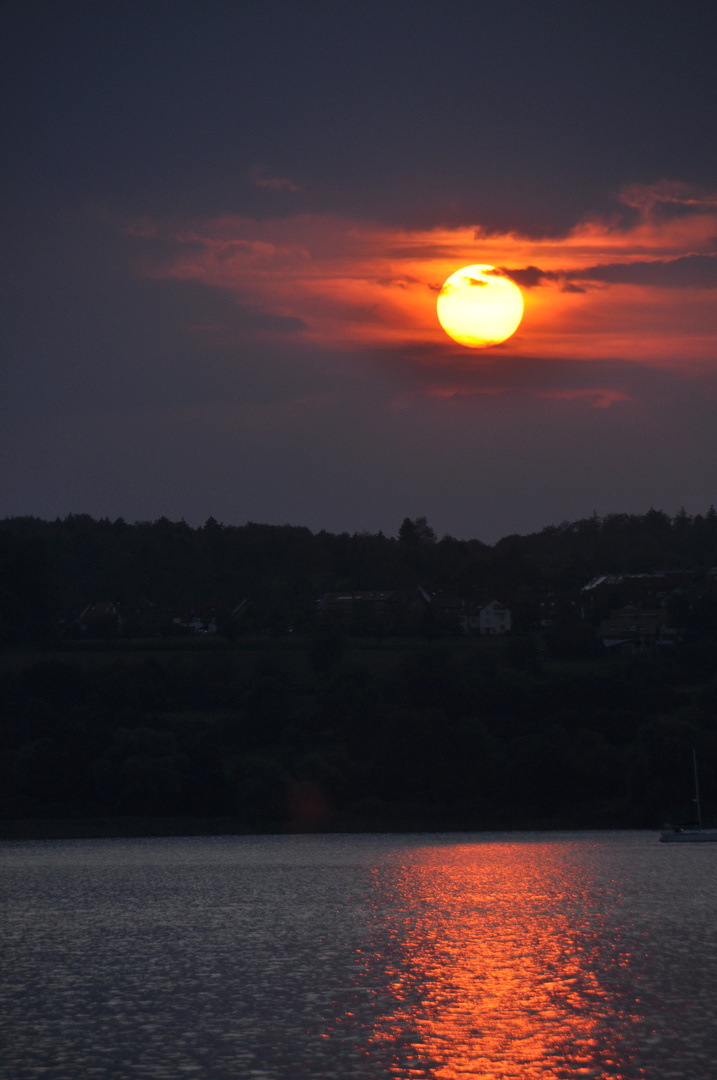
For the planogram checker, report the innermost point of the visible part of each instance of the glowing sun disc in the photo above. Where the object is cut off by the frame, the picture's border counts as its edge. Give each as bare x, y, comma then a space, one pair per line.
479, 307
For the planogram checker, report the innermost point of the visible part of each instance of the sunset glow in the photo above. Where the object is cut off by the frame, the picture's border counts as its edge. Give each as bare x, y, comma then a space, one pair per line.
478, 307
639, 286
498, 965
228, 234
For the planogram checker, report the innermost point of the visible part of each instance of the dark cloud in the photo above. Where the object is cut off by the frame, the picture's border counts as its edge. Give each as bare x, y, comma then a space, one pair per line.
402, 283
529, 277
84, 334
668, 199
451, 286
687, 272
273, 183
446, 372
169, 107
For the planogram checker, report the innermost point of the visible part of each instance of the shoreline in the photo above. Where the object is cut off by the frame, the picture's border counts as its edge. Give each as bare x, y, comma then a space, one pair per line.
128, 828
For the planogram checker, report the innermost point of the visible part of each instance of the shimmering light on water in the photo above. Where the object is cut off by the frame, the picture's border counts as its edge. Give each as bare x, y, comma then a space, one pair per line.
372, 957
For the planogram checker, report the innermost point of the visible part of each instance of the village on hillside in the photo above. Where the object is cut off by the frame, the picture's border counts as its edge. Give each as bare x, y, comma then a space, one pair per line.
616, 584
648, 615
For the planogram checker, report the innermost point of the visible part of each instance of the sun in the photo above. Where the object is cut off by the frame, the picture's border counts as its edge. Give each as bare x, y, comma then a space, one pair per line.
479, 307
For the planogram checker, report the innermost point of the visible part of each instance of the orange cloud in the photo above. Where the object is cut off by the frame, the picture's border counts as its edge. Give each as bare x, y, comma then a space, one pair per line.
639, 287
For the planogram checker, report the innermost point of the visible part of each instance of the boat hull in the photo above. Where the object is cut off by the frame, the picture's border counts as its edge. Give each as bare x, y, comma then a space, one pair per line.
689, 836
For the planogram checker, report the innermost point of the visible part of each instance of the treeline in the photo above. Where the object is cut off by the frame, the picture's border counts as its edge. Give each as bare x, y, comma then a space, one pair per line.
52, 569
322, 730
464, 735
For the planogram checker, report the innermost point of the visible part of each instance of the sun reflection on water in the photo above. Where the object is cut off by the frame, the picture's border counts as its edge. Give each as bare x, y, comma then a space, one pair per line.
497, 963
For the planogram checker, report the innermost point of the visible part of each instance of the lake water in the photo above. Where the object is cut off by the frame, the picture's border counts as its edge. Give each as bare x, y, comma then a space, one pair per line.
287, 958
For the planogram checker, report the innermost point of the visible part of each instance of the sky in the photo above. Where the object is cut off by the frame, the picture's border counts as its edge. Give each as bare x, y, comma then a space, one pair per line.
226, 227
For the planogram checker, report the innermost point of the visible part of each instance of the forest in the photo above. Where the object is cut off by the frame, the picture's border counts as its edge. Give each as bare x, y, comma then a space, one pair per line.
289, 719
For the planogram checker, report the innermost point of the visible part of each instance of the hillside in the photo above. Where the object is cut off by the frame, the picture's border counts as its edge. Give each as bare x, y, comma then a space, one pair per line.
321, 727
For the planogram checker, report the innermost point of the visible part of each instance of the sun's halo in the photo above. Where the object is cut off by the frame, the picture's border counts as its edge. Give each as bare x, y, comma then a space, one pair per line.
478, 306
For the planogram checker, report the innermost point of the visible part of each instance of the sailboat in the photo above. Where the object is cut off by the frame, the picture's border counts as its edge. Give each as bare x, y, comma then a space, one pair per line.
690, 834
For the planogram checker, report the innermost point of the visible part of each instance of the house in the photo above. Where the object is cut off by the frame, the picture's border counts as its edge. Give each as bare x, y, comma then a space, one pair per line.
647, 589
482, 615
494, 618
630, 628
100, 615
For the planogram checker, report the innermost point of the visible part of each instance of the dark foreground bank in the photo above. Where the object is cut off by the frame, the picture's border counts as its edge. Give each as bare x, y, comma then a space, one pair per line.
447, 736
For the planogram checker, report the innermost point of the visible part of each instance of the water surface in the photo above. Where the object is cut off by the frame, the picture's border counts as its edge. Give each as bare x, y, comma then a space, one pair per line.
530, 956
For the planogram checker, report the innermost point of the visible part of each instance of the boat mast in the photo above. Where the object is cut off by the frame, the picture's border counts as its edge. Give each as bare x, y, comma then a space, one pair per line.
697, 789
